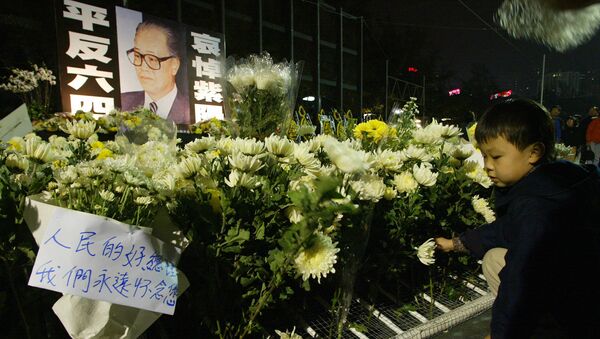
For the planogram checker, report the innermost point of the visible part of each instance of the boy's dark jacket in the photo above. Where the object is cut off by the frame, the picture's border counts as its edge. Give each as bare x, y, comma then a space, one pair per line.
550, 223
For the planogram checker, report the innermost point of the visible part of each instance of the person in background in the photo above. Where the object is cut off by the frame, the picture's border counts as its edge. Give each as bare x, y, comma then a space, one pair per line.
156, 55
570, 135
539, 252
585, 153
592, 138
558, 123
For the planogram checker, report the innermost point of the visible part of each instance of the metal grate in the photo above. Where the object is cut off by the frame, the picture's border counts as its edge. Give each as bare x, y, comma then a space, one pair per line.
389, 320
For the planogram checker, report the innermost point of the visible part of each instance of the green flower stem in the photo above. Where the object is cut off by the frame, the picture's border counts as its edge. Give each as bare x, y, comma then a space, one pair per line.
432, 302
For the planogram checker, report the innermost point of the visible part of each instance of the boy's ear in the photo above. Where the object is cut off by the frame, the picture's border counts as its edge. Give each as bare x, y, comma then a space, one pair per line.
537, 152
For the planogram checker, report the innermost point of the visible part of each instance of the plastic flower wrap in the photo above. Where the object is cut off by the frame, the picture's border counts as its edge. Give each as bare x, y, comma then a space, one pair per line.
260, 95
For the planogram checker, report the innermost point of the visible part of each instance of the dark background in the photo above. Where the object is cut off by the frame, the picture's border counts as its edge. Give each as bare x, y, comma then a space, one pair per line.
449, 45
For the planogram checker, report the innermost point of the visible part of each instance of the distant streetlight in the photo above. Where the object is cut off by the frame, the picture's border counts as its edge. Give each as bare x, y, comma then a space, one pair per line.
309, 98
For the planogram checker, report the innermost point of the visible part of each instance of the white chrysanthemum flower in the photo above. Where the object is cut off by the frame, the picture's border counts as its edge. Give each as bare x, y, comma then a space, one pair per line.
413, 152
294, 214
280, 147
430, 135
481, 206
405, 182
426, 252
318, 259
37, 149
119, 164
315, 144
307, 159
304, 130
133, 179
305, 181
191, 166
80, 129
107, 195
58, 142
225, 145
449, 131
242, 179
200, 145
266, 79
476, 173
327, 171
66, 175
286, 335
423, 174
154, 134
17, 161
89, 170
144, 201
248, 146
463, 151
164, 182
154, 156
241, 77
369, 187
344, 157
245, 163
387, 160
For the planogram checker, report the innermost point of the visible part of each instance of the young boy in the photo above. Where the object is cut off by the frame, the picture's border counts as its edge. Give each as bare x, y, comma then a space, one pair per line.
545, 243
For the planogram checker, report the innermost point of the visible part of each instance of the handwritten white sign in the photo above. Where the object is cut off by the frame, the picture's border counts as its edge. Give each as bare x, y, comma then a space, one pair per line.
99, 258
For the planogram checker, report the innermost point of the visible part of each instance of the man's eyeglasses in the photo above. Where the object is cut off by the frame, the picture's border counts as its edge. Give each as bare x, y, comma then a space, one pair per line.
151, 60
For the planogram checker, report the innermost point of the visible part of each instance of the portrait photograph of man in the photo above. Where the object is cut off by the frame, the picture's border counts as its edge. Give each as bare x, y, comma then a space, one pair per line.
152, 66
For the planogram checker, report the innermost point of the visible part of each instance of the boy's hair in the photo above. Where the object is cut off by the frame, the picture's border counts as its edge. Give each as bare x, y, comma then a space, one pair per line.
522, 122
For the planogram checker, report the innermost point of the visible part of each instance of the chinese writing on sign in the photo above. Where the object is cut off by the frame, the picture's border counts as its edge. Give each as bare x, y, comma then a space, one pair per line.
102, 259
208, 93
86, 45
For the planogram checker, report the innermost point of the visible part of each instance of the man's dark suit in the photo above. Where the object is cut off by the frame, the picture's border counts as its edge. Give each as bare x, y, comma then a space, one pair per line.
179, 113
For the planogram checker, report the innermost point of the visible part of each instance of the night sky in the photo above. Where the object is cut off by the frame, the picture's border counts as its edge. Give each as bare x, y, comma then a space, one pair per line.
463, 39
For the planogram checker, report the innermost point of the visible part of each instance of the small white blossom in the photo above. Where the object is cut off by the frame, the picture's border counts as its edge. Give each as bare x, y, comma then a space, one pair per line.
248, 146
344, 157
369, 187
201, 145
405, 182
80, 129
286, 335
318, 259
107, 195
144, 201
426, 252
481, 206
281, 147
294, 214
242, 179
245, 163
423, 174
413, 152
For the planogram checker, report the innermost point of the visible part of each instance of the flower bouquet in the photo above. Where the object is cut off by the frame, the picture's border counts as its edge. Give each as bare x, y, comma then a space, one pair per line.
260, 95
34, 88
114, 188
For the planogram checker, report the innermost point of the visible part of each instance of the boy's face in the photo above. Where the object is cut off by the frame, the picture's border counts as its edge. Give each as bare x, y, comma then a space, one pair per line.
505, 164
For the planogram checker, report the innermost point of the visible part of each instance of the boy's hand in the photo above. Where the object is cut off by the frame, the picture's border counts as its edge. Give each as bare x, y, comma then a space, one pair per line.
444, 245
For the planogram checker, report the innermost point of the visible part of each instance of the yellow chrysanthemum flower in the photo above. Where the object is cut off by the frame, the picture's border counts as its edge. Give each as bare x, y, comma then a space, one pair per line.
104, 153
373, 129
